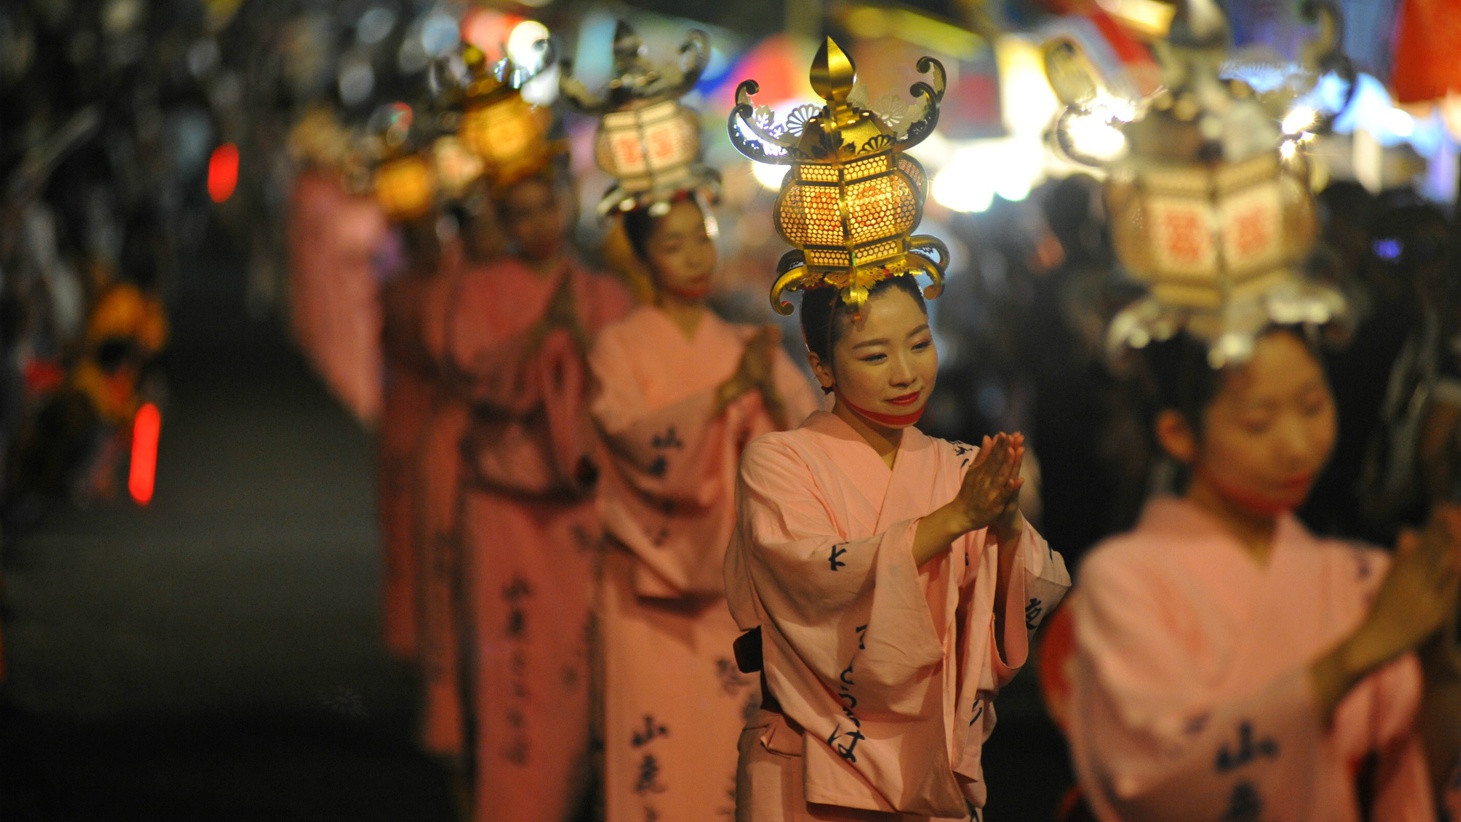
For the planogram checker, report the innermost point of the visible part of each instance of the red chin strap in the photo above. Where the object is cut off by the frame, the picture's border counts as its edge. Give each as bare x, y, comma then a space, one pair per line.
1248, 501
689, 295
890, 420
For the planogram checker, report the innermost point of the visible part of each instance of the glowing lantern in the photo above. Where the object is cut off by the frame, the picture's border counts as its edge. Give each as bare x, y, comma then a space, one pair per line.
508, 133
1210, 205
647, 141
405, 181
852, 196
405, 187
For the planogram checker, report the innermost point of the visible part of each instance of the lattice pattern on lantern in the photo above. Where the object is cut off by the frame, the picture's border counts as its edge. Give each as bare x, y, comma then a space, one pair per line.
647, 141
1209, 206
405, 187
852, 198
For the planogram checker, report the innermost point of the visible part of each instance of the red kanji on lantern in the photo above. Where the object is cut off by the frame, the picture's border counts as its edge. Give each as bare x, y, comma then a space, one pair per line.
1184, 229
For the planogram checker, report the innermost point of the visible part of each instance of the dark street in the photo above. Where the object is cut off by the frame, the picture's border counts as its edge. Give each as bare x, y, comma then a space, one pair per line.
214, 656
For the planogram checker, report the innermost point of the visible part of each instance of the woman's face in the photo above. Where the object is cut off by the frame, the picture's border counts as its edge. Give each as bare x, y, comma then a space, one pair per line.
884, 361
533, 219
680, 253
1270, 430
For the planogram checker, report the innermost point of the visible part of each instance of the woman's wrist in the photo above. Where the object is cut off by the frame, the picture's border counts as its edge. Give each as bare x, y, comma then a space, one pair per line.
1335, 673
728, 391
950, 522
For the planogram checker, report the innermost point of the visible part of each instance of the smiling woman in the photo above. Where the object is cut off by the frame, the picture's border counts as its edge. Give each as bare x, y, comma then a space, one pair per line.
887, 620
887, 582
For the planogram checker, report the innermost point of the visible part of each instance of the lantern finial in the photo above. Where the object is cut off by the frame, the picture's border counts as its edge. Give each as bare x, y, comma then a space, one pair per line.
832, 76
852, 197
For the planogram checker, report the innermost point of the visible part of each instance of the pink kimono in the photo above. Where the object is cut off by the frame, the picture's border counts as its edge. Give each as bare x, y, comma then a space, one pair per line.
410, 394
673, 700
530, 533
436, 508
884, 672
1190, 690
333, 239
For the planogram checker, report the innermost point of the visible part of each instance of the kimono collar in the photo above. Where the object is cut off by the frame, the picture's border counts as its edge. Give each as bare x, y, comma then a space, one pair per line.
1190, 524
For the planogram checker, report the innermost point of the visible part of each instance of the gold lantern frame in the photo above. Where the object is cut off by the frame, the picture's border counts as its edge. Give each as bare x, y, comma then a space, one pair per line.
648, 141
1210, 205
511, 135
847, 167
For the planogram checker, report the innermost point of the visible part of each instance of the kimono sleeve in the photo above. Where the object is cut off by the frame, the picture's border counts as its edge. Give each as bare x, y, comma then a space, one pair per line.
1150, 741
831, 598
1038, 584
499, 364
663, 449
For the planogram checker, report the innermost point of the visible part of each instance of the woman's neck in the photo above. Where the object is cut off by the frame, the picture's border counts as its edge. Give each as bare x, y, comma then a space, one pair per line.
544, 266
882, 438
1254, 530
684, 313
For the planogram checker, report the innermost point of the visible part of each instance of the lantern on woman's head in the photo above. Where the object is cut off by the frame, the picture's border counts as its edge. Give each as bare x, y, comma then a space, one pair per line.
405, 180
508, 133
647, 141
1210, 205
852, 196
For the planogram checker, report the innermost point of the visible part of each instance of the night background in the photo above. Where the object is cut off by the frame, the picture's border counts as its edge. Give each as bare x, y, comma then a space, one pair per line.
191, 617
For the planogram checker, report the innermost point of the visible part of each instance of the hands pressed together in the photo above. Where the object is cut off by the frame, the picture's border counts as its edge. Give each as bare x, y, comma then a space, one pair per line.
1414, 609
989, 496
756, 373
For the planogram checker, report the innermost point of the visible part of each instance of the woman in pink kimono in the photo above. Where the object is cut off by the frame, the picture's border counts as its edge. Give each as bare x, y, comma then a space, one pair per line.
436, 501
409, 394
1228, 664
516, 334
893, 580
679, 393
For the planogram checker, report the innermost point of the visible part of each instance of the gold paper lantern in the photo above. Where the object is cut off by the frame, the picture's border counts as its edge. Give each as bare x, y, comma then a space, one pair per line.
1210, 204
647, 141
405, 187
852, 196
508, 133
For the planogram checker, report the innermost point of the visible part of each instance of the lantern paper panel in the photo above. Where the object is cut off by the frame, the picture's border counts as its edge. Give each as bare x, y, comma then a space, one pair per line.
405, 187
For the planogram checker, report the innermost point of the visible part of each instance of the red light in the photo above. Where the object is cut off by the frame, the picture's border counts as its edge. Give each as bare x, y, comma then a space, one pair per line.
223, 172
145, 430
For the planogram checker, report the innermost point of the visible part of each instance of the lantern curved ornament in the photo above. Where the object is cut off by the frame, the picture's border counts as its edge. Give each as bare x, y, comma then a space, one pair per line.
931, 94
745, 115
1326, 54
635, 76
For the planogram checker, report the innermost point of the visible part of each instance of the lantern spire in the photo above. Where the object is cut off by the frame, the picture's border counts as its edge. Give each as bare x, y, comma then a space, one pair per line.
852, 197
